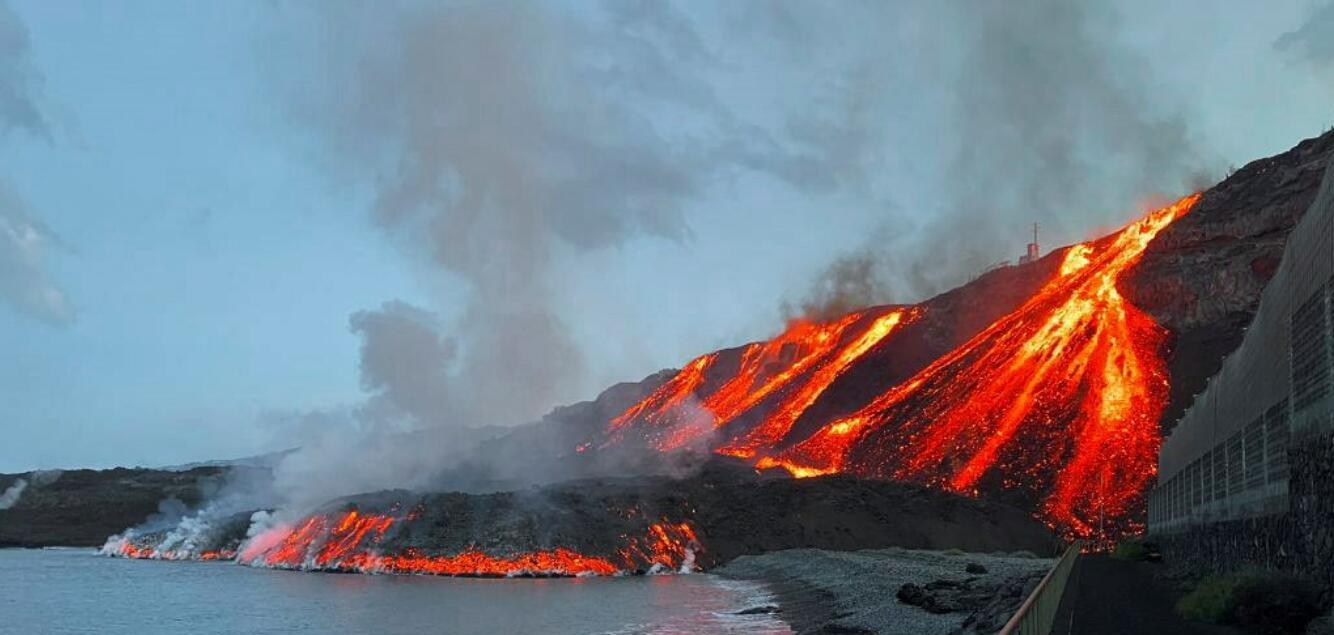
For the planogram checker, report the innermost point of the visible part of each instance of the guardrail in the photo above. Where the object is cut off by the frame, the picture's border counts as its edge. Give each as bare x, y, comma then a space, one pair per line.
1037, 615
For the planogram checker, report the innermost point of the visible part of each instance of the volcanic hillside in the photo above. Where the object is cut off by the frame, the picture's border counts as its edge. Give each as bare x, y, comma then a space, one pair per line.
1048, 384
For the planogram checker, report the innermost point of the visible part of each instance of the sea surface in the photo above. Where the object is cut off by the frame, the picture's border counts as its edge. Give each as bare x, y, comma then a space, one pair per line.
61, 591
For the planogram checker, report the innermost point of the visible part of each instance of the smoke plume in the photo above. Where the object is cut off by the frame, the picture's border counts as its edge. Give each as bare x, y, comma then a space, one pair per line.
1032, 114
853, 281
500, 137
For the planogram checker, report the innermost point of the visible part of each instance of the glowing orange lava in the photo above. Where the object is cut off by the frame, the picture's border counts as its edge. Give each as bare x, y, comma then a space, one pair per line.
352, 541
129, 550
798, 364
780, 420
1061, 398
667, 399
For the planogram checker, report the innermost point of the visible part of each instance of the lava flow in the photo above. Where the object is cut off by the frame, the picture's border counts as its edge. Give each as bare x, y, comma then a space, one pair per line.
1060, 398
128, 549
353, 541
797, 365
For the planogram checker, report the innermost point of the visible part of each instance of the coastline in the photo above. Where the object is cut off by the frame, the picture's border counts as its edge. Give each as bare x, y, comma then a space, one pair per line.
819, 591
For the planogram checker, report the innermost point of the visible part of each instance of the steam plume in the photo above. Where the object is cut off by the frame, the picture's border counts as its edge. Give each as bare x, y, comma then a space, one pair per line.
12, 493
15, 491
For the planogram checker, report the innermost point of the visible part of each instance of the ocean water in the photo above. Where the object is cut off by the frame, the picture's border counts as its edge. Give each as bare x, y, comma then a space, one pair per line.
60, 591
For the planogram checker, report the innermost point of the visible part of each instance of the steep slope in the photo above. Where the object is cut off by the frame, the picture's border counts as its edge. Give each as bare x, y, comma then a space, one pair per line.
1202, 277
1051, 392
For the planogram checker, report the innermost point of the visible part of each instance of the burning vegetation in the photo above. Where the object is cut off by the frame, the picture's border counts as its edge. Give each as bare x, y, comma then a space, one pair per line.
1059, 399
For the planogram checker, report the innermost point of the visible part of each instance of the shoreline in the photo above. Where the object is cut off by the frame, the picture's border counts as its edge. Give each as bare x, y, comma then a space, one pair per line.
855, 592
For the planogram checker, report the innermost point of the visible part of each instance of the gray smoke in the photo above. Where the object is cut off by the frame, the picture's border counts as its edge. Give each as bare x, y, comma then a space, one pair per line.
497, 136
853, 281
405, 363
1037, 112
25, 242
1054, 127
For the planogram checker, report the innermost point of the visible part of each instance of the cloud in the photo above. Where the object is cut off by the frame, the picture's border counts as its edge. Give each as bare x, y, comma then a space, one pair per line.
1313, 41
19, 81
25, 243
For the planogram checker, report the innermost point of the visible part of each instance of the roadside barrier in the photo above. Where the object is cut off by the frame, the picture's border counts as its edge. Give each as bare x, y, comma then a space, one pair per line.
1037, 615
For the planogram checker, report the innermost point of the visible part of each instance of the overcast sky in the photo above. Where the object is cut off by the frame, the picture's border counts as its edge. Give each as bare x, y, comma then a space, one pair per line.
222, 224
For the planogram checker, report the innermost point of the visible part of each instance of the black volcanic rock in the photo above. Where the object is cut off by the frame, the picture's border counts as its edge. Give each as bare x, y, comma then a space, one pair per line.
732, 511
1201, 278
83, 507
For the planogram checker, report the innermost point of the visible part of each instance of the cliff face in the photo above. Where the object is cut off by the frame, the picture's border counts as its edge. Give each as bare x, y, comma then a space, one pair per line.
1203, 275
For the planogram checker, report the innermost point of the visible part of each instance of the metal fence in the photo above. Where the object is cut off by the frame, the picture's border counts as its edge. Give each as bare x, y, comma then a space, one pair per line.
1037, 615
1227, 458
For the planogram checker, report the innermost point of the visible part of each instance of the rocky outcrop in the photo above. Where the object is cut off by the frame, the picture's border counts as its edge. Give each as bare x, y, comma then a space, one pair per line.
988, 602
1201, 278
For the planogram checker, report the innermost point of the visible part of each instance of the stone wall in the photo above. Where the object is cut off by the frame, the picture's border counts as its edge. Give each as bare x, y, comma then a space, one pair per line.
1299, 541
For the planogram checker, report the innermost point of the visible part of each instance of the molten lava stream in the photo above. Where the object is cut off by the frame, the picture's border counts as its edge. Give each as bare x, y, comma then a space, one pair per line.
806, 358
765, 368
780, 420
352, 542
678, 389
1061, 397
